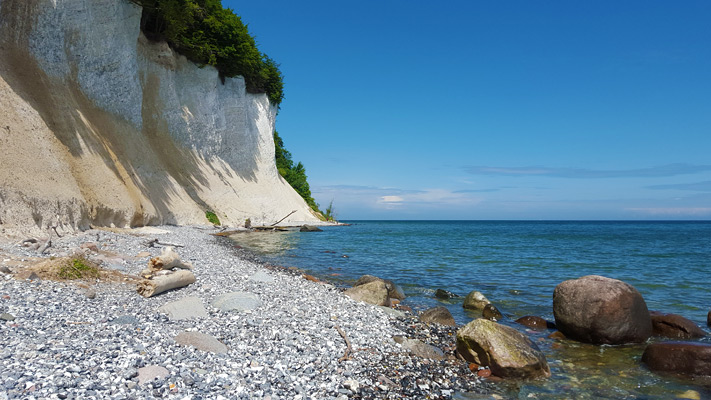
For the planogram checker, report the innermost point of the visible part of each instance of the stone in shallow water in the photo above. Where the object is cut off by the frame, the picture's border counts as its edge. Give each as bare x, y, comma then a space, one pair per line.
237, 301
151, 372
679, 358
374, 292
185, 308
675, 326
506, 351
201, 341
475, 301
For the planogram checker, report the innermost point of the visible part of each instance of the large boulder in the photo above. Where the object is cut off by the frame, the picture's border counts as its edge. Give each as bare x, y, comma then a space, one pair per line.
506, 351
394, 291
475, 301
374, 292
438, 315
679, 358
599, 310
674, 326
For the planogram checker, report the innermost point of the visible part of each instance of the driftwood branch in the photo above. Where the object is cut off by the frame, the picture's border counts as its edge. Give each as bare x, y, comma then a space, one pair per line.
168, 259
287, 216
153, 242
349, 349
160, 284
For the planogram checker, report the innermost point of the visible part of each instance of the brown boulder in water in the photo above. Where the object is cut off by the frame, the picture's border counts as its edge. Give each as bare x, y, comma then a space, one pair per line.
438, 315
675, 326
599, 310
533, 322
679, 358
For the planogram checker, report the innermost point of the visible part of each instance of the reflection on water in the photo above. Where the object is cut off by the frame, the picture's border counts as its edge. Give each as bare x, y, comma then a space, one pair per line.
273, 244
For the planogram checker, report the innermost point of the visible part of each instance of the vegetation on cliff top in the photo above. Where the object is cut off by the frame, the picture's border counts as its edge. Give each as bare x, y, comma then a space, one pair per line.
209, 34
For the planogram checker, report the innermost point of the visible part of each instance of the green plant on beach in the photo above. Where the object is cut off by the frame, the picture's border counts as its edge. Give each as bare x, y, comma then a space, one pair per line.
208, 34
212, 218
330, 213
77, 268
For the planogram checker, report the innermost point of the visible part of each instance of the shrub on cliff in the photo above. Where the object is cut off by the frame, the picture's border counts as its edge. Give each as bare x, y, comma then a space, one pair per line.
209, 34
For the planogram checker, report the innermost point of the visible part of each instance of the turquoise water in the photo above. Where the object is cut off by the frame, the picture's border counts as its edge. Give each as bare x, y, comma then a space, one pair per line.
517, 265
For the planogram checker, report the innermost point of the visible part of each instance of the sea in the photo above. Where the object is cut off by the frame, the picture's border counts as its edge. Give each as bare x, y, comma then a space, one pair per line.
517, 265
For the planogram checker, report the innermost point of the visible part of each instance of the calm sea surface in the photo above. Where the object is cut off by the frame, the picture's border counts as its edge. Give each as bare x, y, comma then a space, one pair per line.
517, 265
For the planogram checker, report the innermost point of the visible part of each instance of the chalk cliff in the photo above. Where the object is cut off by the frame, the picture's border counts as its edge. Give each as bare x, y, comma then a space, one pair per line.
99, 126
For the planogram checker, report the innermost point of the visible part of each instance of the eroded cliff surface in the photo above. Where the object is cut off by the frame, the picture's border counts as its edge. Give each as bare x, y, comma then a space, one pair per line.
99, 126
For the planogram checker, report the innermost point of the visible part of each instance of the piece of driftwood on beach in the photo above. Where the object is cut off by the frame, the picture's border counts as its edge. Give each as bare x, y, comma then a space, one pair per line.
162, 283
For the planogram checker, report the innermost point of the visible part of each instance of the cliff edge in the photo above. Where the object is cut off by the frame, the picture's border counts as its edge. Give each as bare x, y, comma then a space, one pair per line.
99, 126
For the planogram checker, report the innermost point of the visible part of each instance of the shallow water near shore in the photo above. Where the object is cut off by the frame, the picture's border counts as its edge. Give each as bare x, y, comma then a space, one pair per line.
517, 265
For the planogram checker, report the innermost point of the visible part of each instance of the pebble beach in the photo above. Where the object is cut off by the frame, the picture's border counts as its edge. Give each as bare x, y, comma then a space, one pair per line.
285, 337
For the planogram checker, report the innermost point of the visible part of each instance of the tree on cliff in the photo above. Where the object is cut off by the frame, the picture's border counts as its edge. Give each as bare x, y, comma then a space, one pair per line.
294, 174
209, 34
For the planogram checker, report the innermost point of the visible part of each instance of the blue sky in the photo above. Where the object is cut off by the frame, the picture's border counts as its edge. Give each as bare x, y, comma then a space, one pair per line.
496, 110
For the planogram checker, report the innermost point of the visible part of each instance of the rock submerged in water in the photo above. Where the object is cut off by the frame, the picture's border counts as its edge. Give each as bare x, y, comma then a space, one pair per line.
679, 358
533, 322
475, 301
708, 319
599, 310
444, 294
491, 313
674, 326
438, 315
506, 351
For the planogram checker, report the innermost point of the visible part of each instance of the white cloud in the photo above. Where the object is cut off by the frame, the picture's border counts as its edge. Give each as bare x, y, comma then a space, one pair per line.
391, 199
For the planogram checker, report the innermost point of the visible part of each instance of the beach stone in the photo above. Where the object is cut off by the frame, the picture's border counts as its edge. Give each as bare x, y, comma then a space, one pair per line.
599, 310
143, 254
261, 276
394, 291
491, 313
393, 313
708, 319
419, 348
185, 308
310, 228
506, 351
444, 294
90, 246
374, 292
150, 373
674, 326
201, 341
7, 317
237, 301
475, 301
5, 270
438, 315
125, 320
90, 293
534, 322
679, 358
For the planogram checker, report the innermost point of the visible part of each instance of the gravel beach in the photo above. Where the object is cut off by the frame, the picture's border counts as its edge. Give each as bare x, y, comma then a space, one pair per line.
281, 339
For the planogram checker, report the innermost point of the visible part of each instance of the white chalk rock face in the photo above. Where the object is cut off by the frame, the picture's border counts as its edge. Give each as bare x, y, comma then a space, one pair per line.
102, 127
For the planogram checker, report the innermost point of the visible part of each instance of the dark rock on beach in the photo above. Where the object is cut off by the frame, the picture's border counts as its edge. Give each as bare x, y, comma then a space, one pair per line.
534, 322
310, 228
506, 351
599, 310
491, 313
475, 301
445, 294
438, 315
679, 358
708, 319
674, 326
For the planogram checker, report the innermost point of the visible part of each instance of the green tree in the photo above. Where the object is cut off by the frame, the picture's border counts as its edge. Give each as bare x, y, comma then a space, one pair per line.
209, 34
295, 175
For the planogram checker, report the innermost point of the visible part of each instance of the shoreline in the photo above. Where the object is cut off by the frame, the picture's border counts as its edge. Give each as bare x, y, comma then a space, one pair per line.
68, 341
